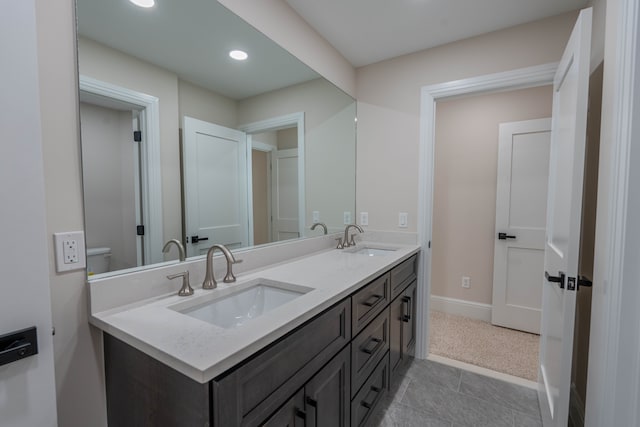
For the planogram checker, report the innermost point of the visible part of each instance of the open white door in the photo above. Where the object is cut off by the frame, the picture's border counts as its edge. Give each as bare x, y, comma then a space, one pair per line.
564, 207
215, 186
284, 191
521, 209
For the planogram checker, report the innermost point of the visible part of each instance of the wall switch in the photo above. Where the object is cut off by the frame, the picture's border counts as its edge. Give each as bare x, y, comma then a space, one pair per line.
316, 216
364, 218
466, 282
347, 218
70, 251
403, 221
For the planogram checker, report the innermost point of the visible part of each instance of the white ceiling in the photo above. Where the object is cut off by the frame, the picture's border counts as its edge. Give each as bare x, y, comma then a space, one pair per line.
192, 38
368, 31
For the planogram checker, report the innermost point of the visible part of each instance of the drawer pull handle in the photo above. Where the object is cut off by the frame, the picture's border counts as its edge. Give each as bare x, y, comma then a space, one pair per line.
375, 349
373, 300
368, 405
301, 414
312, 402
406, 317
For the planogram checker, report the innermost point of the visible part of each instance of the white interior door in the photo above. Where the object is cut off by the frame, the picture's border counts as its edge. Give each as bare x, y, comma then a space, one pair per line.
521, 209
215, 182
564, 206
284, 191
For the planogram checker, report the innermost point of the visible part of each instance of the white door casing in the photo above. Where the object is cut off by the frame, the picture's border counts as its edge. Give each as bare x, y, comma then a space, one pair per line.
150, 176
521, 207
538, 75
216, 186
284, 192
283, 122
564, 207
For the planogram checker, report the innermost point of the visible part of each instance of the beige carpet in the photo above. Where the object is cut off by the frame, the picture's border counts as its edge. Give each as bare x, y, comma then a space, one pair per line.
482, 344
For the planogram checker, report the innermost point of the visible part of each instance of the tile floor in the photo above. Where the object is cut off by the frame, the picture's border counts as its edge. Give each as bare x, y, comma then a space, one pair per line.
431, 394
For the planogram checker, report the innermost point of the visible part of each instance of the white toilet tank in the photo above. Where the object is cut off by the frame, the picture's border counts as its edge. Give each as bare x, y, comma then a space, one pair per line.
98, 260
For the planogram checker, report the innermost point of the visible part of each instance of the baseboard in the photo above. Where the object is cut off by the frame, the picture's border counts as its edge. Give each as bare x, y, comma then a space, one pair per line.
473, 310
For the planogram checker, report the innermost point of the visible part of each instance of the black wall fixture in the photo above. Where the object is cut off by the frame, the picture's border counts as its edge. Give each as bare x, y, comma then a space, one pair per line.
18, 345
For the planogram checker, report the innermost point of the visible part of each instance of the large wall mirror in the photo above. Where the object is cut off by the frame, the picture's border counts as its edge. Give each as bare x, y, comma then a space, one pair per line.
180, 141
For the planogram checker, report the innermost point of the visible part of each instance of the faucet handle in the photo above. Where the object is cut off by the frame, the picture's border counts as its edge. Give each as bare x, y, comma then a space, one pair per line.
186, 288
340, 244
352, 242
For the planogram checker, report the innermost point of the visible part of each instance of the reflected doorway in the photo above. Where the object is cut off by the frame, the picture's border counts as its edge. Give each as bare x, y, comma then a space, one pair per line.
274, 157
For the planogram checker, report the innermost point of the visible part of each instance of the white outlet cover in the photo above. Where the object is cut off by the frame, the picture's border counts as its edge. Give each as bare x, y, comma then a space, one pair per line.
364, 218
347, 218
59, 239
316, 216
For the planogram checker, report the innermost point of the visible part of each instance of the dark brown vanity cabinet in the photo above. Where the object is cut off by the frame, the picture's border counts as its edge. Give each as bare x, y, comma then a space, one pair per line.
402, 311
403, 326
331, 371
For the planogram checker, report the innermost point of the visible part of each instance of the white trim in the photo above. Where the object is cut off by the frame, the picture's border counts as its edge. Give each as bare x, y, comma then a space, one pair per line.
283, 122
614, 376
523, 382
459, 307
150, 177
510, 80
265, 148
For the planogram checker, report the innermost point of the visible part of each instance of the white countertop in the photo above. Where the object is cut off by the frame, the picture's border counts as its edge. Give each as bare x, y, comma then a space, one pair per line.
202, 351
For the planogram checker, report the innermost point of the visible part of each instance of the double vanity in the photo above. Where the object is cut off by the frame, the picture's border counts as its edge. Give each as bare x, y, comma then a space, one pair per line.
310, 339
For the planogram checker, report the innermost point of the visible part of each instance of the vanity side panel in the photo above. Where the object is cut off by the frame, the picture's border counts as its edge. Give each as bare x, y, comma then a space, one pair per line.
144, 392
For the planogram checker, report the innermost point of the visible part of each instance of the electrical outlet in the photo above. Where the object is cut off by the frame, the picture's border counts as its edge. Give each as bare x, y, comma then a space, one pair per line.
316, 216
403, 221
70, 251
347, 218
466, 282
364, 218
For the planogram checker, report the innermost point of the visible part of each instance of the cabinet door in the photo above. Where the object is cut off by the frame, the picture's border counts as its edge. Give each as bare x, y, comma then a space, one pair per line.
327, 394
290, 414
396, 313
409, 298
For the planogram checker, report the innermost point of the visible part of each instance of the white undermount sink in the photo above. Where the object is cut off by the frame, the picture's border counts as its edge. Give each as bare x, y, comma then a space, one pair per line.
373, 251
229, 308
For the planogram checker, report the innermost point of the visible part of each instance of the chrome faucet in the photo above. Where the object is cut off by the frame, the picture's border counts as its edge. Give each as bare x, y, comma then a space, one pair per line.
346, 242
321, 224
186, 288
176, 242
209, 280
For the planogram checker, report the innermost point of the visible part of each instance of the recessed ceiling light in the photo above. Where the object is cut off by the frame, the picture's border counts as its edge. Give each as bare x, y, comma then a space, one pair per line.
143, 3
238, 55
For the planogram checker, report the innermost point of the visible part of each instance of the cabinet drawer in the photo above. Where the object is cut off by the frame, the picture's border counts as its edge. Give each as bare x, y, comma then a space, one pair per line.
369, 301
253, 391
402, 275
368, 348
374, 389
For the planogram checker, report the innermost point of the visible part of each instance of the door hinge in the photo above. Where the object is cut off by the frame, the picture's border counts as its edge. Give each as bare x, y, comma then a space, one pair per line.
429, 244
137, 135
140, 230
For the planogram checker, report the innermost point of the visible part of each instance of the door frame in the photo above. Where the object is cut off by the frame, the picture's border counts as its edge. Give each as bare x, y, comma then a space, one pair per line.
151, 184
614, 344
522, 78
269, 149
277, 123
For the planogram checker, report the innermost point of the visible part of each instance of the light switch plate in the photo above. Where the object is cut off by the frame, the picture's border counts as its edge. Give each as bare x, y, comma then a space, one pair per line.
403, 221
70, 251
